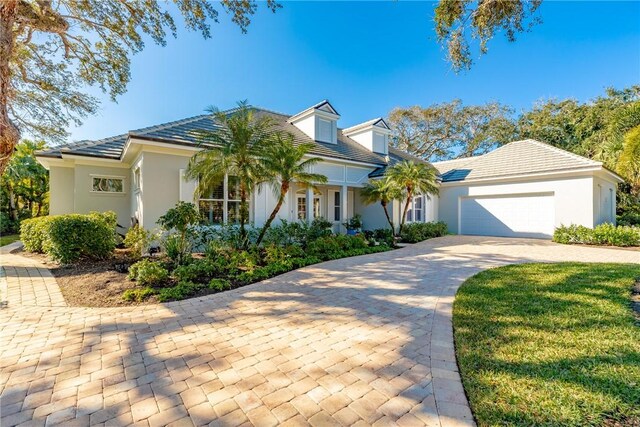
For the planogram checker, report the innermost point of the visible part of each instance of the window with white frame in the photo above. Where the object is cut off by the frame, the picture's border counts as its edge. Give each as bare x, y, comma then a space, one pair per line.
324, 130
107, 184
418, 209
301, 205
221, 203
415, 213
336, 206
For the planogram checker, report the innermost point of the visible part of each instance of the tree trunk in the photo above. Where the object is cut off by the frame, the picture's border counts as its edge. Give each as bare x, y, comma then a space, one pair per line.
284, 188
13, 210
406, 208
386, 213
244, 216
9, 134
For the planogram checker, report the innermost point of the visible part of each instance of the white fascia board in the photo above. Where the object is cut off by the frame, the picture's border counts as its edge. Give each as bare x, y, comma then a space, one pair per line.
531, 176
313, 112
159, 147
349, 162
95, 161
363, 127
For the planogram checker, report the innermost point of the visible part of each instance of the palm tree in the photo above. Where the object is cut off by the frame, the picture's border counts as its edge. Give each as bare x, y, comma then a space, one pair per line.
381, 191
232, 150
629, 161
414, 178
283, 162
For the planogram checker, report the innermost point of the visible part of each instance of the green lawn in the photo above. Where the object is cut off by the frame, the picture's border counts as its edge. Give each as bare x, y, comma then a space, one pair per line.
550, 344
8, 238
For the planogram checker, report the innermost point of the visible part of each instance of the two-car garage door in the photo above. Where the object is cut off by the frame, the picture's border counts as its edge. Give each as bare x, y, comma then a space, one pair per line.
523, 215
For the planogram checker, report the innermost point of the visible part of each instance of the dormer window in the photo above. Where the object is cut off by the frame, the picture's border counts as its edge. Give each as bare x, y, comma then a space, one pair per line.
319, 122
373, 135
324, 130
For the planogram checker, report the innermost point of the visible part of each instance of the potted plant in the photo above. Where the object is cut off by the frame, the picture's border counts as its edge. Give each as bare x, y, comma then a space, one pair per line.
354, 225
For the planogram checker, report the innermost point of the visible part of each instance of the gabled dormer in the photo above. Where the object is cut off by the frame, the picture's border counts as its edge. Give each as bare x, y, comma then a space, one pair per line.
373, 135
319, 122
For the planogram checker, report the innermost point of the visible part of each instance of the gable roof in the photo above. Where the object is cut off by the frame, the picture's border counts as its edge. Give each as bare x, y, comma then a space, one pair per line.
182, 132
516, 158
378, 122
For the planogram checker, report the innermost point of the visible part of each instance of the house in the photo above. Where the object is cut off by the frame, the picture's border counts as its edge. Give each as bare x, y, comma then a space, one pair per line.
524, 188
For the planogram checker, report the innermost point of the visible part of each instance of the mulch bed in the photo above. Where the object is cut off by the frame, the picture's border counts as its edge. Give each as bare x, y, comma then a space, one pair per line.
92, 283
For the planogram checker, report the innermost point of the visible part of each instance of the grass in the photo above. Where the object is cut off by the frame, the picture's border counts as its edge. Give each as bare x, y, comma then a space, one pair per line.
8, 238
550, 344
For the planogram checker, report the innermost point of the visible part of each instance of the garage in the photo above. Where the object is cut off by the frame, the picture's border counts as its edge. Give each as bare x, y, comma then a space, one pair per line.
524, 189
512, 215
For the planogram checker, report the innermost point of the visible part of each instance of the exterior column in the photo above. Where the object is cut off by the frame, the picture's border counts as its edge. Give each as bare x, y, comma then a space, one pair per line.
344, 209
309, 205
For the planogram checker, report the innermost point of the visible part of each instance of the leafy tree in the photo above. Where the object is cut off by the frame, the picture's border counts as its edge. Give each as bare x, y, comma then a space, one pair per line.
381, 191
629, 163
25, 183
459, 21
233, 149
447, 130
178, 218
284, 163
51, 49
414, 178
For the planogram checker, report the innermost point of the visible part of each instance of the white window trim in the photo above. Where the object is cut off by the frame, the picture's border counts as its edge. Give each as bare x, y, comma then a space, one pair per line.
111, 193
225, 200
412, 210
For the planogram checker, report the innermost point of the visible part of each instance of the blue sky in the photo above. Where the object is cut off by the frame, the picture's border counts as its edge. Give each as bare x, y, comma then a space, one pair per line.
368, 57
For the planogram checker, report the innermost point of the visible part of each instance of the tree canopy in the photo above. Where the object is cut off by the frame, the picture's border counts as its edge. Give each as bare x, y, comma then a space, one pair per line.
50, 50
459, 22
450, 130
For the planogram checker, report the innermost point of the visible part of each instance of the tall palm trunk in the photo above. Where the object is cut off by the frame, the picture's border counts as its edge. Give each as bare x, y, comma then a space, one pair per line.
406, 208
9, 134
284, 188
244, 216
386, 213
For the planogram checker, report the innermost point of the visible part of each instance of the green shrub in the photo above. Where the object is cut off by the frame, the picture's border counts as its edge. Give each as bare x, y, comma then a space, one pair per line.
178, 292
72, 237
138, 295
331, 247
176, 222
380, 236
629, 218
199, 270
219, 284
419, 231
603, 234
33, 233
137, 239
7, 225
148, 272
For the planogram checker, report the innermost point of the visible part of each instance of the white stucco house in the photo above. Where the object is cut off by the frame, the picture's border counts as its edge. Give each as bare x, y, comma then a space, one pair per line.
525, 188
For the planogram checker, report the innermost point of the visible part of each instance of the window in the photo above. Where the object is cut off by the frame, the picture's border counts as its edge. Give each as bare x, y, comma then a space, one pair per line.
302, 208
103, 184
215, 208
336, 206
301, 205
379, 143
418, 209
324, 130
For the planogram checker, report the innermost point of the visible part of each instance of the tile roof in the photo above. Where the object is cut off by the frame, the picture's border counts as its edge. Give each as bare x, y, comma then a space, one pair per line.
182, 132
516, 158
395, 156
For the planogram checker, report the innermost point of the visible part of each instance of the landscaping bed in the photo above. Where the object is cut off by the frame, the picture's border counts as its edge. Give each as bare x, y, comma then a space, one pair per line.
550, 344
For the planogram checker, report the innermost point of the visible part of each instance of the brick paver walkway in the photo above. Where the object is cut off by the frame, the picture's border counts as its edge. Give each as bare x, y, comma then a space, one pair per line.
358, 341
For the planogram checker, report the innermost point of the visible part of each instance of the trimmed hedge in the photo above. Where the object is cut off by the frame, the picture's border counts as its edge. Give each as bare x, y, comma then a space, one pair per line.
70, 238
418, 231
603, 234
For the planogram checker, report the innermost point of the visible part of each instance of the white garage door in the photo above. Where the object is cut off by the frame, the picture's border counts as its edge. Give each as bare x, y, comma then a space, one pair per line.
525, 215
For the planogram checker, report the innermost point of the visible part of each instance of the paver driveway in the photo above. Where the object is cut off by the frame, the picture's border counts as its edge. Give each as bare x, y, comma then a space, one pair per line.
359, 341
